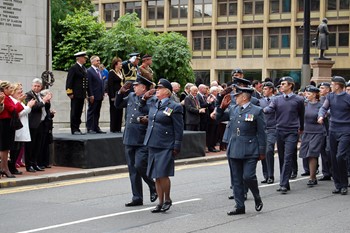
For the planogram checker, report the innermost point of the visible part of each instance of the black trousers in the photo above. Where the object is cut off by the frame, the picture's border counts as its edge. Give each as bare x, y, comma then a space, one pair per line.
116, 116
93, 115
33, 148
76, 109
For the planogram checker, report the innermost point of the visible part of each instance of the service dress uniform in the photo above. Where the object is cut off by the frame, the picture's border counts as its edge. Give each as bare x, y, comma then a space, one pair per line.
129, 69
135, 152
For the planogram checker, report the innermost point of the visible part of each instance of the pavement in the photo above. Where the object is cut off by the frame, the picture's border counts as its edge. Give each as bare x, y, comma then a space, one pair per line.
57, 173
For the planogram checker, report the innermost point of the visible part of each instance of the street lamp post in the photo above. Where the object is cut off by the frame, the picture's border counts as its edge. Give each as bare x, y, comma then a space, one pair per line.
306, 70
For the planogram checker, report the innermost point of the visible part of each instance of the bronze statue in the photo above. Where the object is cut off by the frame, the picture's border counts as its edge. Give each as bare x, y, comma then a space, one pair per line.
322, 40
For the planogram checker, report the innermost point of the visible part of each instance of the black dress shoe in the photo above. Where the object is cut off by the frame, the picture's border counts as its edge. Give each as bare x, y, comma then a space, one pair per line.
311, 182
39, 169
283, 190
344, 191
16, 172
212, 149
100, 132
324, 178
305, 174
293, 175
48, 166
77, 133
91, 132
157, 209
258, 204
231, 197
270, 180
134, 203
153, 196
166, 206
336, 191
236, 212
30, 169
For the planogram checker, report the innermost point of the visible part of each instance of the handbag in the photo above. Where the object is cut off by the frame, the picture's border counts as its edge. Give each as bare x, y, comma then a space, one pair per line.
15, 122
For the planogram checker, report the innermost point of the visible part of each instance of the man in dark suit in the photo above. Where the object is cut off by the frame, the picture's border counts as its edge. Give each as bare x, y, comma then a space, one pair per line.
134, 134
193, 110
76, 87
246, 145
95, 93
36, 118
182, 100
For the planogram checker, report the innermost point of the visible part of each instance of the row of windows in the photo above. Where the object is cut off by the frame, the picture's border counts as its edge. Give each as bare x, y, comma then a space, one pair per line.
279, 38
203, 8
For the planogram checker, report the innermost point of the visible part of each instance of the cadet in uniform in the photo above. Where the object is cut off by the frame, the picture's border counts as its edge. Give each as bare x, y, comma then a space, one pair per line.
134, 134
163, 138
76, 88
129, 67
338, 102
246, 145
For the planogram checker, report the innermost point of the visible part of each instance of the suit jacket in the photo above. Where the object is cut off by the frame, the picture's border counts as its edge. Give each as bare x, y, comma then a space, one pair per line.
192, 111
165, 125
134, 132
114, 83
95, 84
36, 113
77, 82
248, 137
203, 104
183, 95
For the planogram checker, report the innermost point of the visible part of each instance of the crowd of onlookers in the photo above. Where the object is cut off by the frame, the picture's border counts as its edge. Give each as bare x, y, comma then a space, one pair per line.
25, 128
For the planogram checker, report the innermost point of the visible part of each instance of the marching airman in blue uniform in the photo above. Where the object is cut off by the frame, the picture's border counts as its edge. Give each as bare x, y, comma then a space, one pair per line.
247, 144
135, 129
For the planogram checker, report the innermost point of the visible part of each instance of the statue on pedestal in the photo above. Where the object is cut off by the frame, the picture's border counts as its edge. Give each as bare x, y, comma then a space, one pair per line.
322, 40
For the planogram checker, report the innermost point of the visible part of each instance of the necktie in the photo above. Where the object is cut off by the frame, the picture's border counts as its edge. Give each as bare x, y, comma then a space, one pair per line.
287, 96
98, 73
268, 99
159, 104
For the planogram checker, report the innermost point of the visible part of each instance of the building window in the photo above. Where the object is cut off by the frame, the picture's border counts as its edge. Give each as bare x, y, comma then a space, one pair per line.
339, 36
226, 39
280, 6
315, 5
131, 7
202, 77
227, 8
202, 8
201, 40
252, 7
155, 9
279, 38
111, 12
178, 9
252, 38
338, 4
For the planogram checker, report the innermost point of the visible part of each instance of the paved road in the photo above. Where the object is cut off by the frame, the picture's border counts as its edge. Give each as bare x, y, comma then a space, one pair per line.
199, 193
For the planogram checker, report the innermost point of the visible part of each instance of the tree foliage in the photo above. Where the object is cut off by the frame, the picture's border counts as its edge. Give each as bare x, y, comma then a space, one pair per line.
79, 32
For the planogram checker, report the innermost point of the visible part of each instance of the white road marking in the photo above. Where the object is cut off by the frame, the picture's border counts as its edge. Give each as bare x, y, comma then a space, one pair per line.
101, 217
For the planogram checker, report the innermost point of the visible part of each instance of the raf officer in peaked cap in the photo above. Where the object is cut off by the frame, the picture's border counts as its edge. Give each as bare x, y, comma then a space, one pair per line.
76, 88
246, 145
135, 129
130, 67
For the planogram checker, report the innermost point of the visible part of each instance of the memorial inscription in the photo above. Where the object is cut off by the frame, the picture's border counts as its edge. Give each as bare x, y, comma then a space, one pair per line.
11, 13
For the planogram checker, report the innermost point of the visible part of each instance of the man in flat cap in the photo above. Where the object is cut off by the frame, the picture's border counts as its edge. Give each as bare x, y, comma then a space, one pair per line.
338, 102
289, 109
134, 134
130, 67
246, 145
145, 69
76, 88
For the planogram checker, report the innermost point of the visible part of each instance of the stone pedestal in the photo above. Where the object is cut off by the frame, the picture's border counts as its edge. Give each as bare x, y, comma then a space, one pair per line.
322, 70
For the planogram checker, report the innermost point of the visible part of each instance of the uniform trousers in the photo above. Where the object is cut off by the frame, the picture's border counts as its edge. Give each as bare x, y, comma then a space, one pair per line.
286, 145
339, 148
326, 158
137, 159
270, 153
93, 115
244, 175
76, 109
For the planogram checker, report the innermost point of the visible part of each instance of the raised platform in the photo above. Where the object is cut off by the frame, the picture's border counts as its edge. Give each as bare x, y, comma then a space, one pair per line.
102, 150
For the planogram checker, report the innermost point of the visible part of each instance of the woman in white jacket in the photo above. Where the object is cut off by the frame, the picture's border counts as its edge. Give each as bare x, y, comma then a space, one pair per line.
22, 135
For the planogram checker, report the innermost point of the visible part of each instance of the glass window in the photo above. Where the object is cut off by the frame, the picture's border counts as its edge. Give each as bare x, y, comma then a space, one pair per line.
273, 41
202, 8
155, 9
286, 6
279, 38
259, 7
315, 5
332, 5
248, 8
274, 6
131, 7
196, 43
344, 5
201, 40
111, 12
344, 39
226, 39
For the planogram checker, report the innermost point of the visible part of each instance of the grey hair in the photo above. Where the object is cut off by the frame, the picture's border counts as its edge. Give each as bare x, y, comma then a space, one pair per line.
37, 80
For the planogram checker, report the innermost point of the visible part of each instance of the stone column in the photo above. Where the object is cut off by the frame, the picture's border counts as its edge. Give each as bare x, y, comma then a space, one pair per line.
322, 70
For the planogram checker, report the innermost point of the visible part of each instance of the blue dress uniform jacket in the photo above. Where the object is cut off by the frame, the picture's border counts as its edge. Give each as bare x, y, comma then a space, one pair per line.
165, 125
248, 137
134, 133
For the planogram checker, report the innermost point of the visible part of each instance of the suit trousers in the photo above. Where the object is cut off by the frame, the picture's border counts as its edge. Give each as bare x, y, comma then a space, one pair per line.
93, 115
244, 175
76, 109
137, 159
270, 153
33, 148
116, 117
339, 147
286, 145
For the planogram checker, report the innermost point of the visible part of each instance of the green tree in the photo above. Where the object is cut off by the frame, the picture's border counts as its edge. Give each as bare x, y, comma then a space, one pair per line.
79, 32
